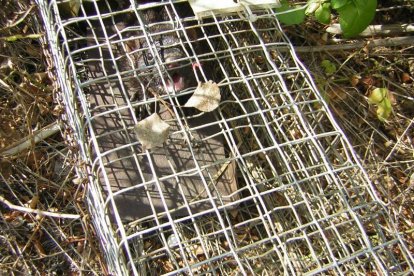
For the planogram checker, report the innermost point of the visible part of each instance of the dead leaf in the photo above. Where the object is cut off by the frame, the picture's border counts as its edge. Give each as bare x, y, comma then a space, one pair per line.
39, 247
152, 131
5, 168
368, 81
355, 80
70, 8
392, 98
206, 97
43, 78
33, 202
197, 250
406, 78
259, 60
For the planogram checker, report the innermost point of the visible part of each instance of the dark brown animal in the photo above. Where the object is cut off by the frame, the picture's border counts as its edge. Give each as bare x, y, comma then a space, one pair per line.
130, 67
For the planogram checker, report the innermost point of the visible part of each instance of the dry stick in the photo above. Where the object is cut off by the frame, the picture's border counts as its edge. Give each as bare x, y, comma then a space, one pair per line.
26, 142
20, 20
384, 42
36, 211
395, 7
376, 29
5, 86
396, 147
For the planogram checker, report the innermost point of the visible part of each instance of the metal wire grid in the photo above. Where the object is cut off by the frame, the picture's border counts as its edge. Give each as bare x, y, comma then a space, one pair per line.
302, 205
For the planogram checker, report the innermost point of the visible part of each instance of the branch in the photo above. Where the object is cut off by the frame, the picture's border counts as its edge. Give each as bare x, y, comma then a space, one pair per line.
26, 142
36, 211
376, 29
384, 42
20, 20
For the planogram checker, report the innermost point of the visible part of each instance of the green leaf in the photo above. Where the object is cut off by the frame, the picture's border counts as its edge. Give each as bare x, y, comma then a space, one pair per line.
383, 113
312, 6
378, 95
328, 67
290, 18
381, 97
336, 4
356, 15
323, 13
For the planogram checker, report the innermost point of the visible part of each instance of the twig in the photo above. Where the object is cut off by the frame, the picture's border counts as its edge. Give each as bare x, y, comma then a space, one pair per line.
36, 211
5, 86
408, 6
396, 147
383, 42
26, 142
376, 29
17, 22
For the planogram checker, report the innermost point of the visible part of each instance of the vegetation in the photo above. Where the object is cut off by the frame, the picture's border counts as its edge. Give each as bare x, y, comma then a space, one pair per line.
368, 89
354, 15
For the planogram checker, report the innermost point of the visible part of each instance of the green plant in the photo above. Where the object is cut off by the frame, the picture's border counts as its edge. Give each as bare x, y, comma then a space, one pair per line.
354, 15
328, 67
381, 98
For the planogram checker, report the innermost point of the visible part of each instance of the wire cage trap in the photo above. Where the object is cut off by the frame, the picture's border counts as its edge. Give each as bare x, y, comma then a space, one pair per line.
258, 181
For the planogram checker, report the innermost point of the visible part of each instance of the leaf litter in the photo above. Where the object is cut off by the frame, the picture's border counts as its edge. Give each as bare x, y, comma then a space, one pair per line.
152, 131
206, 97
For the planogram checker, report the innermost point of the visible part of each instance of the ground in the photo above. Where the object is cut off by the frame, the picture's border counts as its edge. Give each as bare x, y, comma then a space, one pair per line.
42, 175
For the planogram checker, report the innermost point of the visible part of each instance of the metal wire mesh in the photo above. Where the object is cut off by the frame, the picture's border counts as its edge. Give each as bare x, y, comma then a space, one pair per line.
268, 183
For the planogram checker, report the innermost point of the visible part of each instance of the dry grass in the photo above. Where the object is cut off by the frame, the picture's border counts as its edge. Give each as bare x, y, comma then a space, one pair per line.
43, 175
386, 149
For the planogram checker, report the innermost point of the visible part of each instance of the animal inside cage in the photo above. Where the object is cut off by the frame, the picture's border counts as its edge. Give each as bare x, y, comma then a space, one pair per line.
208, 148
